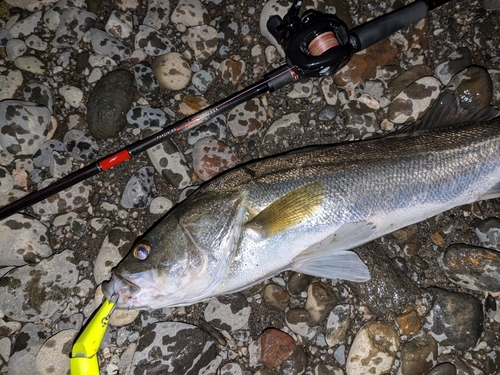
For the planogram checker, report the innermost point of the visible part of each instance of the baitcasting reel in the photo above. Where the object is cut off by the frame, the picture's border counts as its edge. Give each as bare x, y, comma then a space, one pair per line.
316, 44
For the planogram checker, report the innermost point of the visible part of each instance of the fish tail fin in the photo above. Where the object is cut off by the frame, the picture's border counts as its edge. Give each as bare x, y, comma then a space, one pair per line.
466, 98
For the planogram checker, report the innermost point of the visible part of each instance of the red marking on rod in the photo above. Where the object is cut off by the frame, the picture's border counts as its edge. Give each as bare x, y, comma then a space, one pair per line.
114, 159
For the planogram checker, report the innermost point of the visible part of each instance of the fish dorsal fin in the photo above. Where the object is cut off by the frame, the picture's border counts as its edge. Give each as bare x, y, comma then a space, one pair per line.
289, 210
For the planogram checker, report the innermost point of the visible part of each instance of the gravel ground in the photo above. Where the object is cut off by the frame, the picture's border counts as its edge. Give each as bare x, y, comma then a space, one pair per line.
91, 229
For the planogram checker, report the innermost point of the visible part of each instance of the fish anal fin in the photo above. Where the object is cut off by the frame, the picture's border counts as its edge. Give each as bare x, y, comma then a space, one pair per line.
289, 210
345, 265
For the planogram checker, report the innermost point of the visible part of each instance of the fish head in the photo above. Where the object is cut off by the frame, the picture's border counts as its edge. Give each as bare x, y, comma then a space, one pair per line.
181, 260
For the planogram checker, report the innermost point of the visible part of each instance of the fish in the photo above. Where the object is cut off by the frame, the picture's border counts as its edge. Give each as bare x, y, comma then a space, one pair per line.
304, 211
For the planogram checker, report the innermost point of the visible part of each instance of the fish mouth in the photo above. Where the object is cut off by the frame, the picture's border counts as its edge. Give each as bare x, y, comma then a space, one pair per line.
121, 289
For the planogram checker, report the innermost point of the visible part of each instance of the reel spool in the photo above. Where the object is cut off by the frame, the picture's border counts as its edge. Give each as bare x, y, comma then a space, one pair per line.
316, 44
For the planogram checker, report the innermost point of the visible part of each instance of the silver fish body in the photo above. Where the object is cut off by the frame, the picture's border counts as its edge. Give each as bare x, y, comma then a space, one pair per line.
303, 211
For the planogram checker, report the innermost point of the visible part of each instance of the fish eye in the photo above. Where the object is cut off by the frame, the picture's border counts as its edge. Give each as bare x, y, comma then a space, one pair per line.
141, 251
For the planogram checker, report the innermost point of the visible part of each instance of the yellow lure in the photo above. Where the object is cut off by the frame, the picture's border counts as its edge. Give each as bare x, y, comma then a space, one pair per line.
83, 359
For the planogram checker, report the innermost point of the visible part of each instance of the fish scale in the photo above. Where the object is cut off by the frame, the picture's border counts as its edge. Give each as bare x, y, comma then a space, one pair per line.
304, 210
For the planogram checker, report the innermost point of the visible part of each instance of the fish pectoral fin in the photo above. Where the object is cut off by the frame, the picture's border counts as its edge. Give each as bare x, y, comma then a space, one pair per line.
289, 210
494, 192
330, 257
344, 264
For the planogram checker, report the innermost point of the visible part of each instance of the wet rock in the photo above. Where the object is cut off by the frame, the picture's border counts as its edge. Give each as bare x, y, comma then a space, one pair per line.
246, 119
327, 113
301, 89
320, 301
158, 14
363, 65
152, 42
232, 70
106, 45
10, 81
6, 181
24, 240
472, 267
231, 369
203, 41
80, 145
23, 127
275, 297
337, 325
275, 347
272, 8
418, 355
445, 368
414, 100
359, 119
214, 128
211, 157
190, 13
15, 48
281, 135
146, 81
75, 22
119, 25
298, 283
202, 79
467, 97
406, 78
192, 104
458, 60
408, 321
25, 348
323, 369
373, 350
52, 17
455, 320
67, 200
227, 34
295, 364
488, 232
140, 189
297, 319
35, 292
160, 205
169, 161
389, 291
38, 93
115, 246
43, 157
144, 117
52, 358
228, 312
26, 26
109, 103
31, 64
60, 165
172, 70
172, 347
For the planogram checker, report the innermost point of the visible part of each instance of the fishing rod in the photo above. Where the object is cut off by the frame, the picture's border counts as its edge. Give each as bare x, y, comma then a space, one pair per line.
315, 44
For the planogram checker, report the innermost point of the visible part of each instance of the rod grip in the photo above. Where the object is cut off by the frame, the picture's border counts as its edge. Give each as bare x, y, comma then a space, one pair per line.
373, 31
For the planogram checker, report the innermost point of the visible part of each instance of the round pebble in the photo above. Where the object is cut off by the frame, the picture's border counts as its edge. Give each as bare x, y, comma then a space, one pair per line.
211, 157
172, 71
373, 350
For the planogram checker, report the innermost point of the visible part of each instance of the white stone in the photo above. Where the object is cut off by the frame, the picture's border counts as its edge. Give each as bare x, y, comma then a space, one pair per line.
160, 205
172, 71
9, 83
72, 95
373, 350
52, 358
119, 25
15, 48
34, 42
30, 64
190, 13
